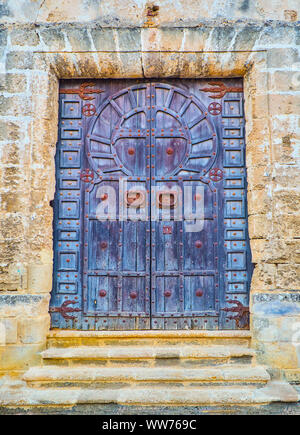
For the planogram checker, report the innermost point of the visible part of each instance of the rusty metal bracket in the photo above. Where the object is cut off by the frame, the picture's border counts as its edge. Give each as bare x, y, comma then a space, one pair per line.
218, 89
215, 108
242, 316
167, 199
135, 198
216, 174
89, 109
84, 91
86, 175
64, 309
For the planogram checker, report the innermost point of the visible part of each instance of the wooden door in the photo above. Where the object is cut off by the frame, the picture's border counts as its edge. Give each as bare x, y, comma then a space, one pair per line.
150, 227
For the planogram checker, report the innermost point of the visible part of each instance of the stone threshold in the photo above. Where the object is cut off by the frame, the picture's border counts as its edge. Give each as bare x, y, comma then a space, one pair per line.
67, 333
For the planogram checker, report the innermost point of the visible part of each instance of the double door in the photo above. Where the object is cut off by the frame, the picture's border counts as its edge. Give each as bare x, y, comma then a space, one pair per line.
150, 208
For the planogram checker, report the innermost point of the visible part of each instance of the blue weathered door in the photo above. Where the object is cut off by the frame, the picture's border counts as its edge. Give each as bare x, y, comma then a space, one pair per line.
150, 227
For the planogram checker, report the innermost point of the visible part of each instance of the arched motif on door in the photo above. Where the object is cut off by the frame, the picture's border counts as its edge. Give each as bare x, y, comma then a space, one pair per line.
115, 149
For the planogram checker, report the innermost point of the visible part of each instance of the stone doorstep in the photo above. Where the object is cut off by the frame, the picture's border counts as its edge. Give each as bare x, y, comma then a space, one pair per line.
151, 338
224, 373
64, 333
146, 352
272, 392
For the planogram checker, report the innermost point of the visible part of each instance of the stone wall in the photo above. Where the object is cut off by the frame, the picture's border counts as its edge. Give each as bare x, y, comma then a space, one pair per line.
41, 42
133, 13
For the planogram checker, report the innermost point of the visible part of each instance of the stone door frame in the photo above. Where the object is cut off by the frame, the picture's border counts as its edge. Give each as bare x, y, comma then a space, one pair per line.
157, 58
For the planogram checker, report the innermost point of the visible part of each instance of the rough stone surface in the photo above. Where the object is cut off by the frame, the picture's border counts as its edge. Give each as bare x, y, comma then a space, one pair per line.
184, 396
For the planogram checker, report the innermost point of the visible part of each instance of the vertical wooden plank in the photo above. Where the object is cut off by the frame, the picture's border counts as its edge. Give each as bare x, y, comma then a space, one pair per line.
171, 137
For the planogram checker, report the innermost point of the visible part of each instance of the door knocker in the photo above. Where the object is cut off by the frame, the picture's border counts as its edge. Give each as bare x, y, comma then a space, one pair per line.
167, 199
135, 198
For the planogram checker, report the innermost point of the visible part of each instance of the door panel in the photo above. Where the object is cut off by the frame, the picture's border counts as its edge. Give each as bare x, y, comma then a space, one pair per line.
150, 211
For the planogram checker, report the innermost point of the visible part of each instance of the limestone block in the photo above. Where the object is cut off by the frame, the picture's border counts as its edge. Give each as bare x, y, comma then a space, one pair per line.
88, 66
277, 354
42, 62
282, 57
266, 305
8, 331
3, 37
257, 134
258, 177
284, 33
156, 65
260, 227
109, 65
256, 82
12, 226
193, 38
287, 125
44, 88
33, 330
18, 357
27, 36
132, 65
128, 39
257, 250
277, 251
289, 330
259, 106
78, 38
163, 39
218, 65
286, 177
19, 60
259, 324
284, 81
258, 153
287, 201
278, 391
13, 277
62, 64
258, 202
15, 106
285, 150
288, 276
133, 13
25, 305
292, 375
283, 104
296, 255
13, 154
285, 224
53, 38
285, 329
103, 39
247, 37
10, 130
40, 277
269, 334
14, 201
13, 83
44, 130
263, 277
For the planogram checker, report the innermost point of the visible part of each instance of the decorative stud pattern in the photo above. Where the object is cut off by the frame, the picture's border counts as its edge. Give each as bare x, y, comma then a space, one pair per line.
169, 150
